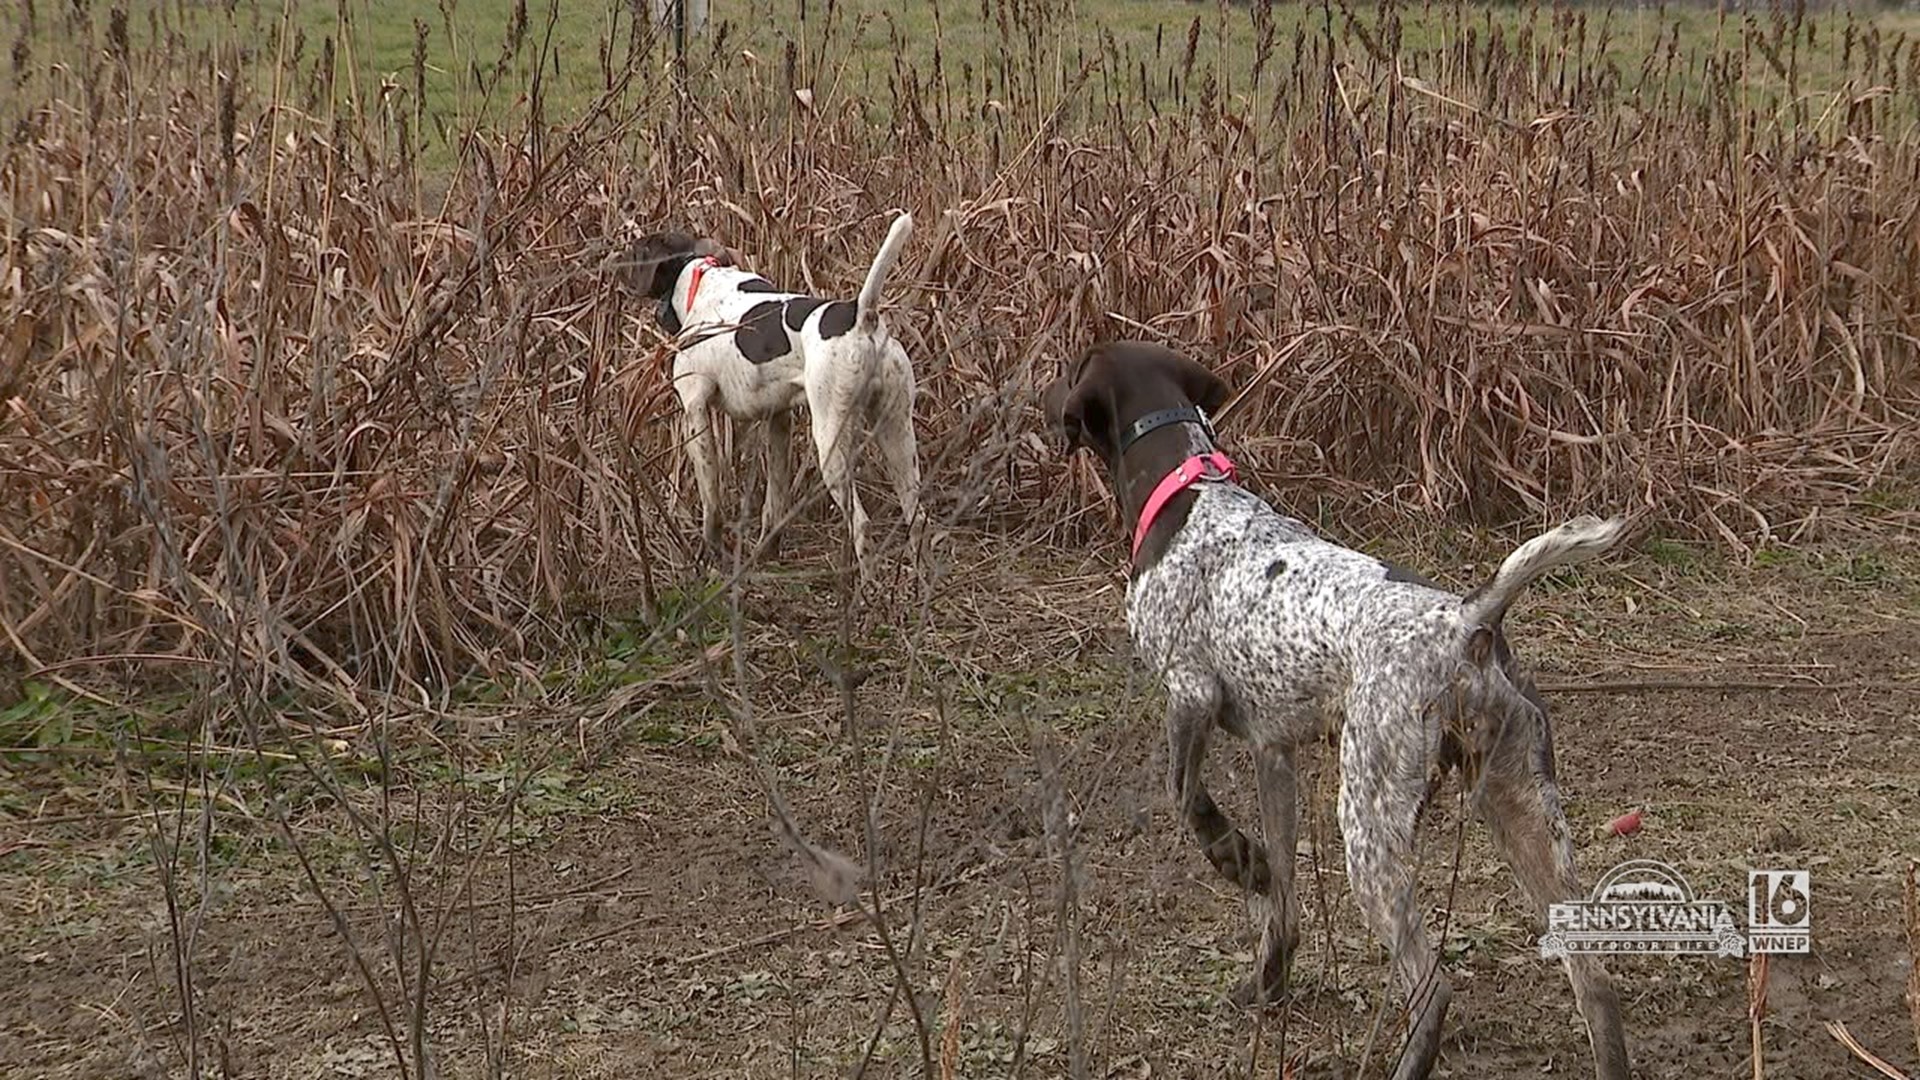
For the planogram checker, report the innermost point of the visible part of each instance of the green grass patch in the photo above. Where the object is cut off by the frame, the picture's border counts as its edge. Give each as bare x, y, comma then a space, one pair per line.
441, 68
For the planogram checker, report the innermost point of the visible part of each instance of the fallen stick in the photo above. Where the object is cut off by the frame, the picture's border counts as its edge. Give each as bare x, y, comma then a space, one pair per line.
1626, 686
777, 936
1839, 1031
833, 922
1910, 902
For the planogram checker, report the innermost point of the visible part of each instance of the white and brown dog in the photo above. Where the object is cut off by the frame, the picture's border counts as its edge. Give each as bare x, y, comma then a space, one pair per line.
759, 353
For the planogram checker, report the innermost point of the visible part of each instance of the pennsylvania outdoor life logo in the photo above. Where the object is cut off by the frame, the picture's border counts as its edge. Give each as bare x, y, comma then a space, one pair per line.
1646, 906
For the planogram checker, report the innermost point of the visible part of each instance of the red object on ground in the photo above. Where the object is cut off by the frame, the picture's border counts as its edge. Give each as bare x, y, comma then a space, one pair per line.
1626, 824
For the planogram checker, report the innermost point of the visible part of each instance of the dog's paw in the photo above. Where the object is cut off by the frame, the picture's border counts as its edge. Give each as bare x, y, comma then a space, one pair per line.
713, 544
918, 534
1249, 994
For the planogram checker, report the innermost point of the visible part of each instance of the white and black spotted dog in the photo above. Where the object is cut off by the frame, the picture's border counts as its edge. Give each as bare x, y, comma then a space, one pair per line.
759, 352
1262, 629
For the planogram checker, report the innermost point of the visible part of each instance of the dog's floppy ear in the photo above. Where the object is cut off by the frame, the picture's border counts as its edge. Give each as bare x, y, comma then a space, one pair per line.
1198, 382
1079, 409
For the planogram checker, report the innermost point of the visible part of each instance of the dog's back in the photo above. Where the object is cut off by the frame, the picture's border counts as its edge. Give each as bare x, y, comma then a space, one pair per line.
1298, 605
766, 324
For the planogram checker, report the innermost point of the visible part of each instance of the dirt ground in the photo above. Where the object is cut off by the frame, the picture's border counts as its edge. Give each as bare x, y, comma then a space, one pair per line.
637, 916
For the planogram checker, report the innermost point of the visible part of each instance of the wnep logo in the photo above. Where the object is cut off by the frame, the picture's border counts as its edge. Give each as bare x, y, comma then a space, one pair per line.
1779, 911
1646, 906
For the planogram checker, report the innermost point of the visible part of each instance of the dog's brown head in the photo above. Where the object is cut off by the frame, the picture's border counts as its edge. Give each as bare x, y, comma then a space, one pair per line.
653, 263
1102, 395
1116, 383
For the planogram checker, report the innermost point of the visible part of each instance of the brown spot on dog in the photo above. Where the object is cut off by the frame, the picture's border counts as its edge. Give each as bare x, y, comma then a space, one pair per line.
1398, 573
838, 318
761, 337
799, 308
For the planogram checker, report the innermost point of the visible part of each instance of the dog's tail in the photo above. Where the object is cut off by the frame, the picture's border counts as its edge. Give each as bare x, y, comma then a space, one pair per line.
869, 303
1583, 538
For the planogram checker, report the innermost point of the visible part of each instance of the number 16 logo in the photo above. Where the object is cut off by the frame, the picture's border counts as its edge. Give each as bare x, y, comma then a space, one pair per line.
1779, 911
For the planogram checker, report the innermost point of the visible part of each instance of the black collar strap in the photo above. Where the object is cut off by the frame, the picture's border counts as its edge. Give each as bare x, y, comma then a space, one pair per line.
1154, 421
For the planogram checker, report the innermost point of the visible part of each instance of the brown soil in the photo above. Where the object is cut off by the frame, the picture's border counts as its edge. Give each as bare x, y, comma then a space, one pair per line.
631, 930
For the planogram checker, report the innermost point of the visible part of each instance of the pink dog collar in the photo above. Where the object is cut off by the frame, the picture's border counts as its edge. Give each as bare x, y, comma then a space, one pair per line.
1211, 467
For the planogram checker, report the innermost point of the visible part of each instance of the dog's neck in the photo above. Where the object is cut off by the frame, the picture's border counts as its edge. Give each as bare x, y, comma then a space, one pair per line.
1138, 469
673, 308
686, 280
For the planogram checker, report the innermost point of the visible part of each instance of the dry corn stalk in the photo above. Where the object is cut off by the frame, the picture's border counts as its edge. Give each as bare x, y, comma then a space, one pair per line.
952, 1019
1910, 901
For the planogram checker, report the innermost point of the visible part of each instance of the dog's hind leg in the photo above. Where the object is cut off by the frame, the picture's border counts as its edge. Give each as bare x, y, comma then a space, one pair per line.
837, 443
1517, 797
898, 456
1383, 783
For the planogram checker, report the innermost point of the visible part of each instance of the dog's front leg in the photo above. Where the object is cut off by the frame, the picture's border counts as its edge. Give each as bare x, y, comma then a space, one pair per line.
779, 480
1193, 705
696, 401
1279, 909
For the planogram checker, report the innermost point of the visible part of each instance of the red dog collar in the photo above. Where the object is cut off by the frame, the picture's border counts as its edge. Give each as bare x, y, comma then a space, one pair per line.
1211, 467
693, 286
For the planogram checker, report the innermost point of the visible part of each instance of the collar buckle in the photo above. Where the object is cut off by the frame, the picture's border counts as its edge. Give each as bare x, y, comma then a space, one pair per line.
1213, 467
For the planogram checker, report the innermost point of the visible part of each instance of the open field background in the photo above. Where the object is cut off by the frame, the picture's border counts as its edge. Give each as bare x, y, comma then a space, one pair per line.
361, 702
